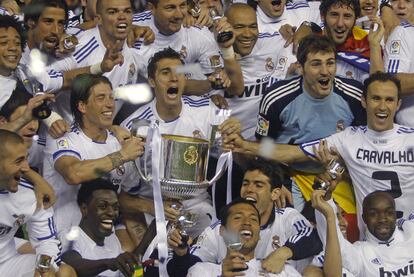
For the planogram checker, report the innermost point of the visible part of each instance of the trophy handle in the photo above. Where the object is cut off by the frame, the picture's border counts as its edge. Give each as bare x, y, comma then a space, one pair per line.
218, 174
136, 125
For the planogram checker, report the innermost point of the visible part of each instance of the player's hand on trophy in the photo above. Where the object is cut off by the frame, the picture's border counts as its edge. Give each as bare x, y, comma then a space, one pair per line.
120, 133
230, 126
138, 32
220, 79
125, 263
233, 264
221, 26
132, 148
234, 142
113, 56
320, 204
175, 241
219, 101
172, 210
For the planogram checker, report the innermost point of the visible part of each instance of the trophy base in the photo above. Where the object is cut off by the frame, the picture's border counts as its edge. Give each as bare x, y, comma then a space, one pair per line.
182, 190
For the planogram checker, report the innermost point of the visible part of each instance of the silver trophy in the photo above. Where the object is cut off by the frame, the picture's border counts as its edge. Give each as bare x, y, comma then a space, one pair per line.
182, 165
334, 170
184, 222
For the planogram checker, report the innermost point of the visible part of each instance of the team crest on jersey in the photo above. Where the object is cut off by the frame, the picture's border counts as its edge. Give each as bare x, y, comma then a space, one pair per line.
270, 66
197, 134
262, 126
4, 230
395, 46
131, 73
183, 52
349, 75
63, 144
275, 242
281, 63
19, 220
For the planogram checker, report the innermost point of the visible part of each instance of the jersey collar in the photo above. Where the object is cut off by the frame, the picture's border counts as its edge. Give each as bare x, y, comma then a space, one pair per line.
271, 219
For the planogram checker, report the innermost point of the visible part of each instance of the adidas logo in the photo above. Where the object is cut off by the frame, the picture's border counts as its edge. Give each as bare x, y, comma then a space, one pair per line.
376, 261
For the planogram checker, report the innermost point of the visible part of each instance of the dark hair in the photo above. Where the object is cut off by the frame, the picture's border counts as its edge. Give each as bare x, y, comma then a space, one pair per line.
224, 212
313, 43
327, 4
8, 21
381, 77
272, 170
36, 7
17, 99
87, 188
153, 2
373, 195
166, 53
81, 90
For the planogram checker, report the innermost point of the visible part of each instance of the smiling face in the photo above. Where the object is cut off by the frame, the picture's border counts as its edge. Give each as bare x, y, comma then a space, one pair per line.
167, 84
169, 15
10, 50
244, 22
339, 21
114, 19
48, 29
29, 130
256, 187
12, 165
319, 73
381, 104
243, 219
272, 8
379, 215
101, 213
368, 7
404, 9
98, 110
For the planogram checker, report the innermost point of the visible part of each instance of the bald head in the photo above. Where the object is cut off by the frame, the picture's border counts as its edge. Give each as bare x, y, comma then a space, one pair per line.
377, 196
239, 10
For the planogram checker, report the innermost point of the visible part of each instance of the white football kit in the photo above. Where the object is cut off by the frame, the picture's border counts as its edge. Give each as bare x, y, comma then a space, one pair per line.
206, 269
267, 63
399, 57
76, 144
372, 257
288, 226
377, 161
89, 250
17, 209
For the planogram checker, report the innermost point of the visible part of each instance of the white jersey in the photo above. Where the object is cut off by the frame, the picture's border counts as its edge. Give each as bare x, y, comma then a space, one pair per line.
372, 257
89, 250
319, 261
195, 45
377, 161
20, 208
294, 14
35, 157
399, 57
76, 144
90, 51
8, 84
288, 226
267, 63
206, 269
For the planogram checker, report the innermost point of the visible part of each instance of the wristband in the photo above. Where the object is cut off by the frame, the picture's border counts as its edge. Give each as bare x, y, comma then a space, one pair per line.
54, 116
96, 69
227, 53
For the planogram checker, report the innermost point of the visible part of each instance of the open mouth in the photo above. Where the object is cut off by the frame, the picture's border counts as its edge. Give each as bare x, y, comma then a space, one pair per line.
251, 199
276, 3
107, 224
381, 116
122, 27
11, 58
246, 234
368, 9
51, 41
107, 114
246, 42
172, 92
324, 82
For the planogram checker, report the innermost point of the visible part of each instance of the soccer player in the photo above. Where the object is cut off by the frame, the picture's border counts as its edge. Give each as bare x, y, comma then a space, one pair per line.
90, 150
379, 156
240, 218
263, 60
97, 250
18, 206
284, 233
386, 250
166, 18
